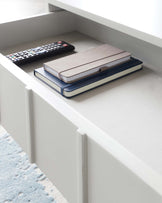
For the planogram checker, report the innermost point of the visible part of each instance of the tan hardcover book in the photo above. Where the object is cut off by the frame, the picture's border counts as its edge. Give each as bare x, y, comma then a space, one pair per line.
80, 65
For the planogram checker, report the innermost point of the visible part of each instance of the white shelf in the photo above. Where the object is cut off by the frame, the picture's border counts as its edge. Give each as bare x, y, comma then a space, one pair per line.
118, 124
140, 19
129, 109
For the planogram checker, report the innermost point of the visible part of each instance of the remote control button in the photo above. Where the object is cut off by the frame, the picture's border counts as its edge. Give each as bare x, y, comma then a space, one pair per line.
41, 51
36, 49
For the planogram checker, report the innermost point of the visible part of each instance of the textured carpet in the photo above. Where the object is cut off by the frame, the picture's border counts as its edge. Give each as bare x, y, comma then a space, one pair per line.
19, 179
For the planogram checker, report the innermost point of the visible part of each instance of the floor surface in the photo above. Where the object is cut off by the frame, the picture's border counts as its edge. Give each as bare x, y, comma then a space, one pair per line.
49, 187
20, 181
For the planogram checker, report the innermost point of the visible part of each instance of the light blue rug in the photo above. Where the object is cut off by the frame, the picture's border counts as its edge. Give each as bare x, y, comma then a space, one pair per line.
19, 181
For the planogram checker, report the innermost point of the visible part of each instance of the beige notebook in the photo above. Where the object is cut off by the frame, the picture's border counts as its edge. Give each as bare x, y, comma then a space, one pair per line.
80, 65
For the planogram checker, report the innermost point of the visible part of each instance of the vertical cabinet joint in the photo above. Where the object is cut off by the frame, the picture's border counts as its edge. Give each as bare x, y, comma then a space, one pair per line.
29, 123
82, 167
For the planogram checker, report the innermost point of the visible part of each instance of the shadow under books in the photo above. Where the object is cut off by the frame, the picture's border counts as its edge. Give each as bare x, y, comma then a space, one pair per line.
96, 92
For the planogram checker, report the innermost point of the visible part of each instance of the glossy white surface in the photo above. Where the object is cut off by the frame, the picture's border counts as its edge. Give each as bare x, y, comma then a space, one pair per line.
141, 19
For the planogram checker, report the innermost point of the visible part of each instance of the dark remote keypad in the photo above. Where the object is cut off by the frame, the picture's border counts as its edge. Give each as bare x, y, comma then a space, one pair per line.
33, 54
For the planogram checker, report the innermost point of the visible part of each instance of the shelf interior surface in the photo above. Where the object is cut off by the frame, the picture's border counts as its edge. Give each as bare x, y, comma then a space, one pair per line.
128, 109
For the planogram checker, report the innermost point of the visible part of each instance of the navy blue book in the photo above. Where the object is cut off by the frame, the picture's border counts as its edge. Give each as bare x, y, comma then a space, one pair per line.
72, 89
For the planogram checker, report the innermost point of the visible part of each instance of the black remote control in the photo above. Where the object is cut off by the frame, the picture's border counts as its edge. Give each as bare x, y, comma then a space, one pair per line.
33, 54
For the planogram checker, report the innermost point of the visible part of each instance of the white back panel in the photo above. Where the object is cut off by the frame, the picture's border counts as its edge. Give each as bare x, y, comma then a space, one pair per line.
35, 28
145, 51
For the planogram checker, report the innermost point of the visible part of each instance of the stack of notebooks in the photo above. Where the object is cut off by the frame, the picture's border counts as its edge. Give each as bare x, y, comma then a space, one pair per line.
80, 72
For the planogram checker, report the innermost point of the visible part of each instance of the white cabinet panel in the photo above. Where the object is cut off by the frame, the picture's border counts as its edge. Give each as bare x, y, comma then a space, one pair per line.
55, 147
109, 181
13, 111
